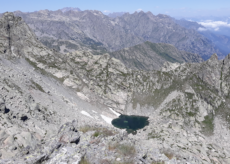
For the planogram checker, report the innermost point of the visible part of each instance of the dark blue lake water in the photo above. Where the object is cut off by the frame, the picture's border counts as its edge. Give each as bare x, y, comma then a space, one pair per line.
130, 123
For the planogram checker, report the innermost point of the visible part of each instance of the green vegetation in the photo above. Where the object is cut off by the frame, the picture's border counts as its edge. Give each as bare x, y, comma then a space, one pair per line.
103, 132
208, 125
155, 47
12, 85
86, 128
37, 86
42, 71
84, 161
99, 131
48, 63
169, 155
191, 114
123, 149
129, 161
153, 134
158, 162
189, 95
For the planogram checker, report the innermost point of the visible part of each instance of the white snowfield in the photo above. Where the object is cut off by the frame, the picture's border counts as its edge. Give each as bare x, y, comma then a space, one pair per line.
86, 114
107, 119
117, 114
83, 97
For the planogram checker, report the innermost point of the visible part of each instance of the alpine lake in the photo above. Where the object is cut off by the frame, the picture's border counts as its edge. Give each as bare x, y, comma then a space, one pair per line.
131, 123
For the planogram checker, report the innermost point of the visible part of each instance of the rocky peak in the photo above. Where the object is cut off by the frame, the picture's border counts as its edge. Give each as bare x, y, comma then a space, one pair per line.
227, 57
150, 14
163, 16
8, 24
213, 58
17, 39
45, 12
213, 61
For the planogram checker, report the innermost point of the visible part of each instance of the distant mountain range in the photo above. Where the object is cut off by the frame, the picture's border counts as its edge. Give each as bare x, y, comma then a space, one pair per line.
152, 56
93, 29
222, 42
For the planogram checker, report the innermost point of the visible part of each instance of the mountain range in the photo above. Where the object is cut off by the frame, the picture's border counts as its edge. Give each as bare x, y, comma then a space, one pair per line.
97, 30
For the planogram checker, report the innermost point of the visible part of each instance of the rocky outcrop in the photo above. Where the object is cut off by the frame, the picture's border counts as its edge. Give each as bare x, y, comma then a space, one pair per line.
2, 105
17, 39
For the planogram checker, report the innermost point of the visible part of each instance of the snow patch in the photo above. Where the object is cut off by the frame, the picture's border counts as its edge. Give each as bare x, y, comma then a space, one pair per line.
86, 114
107, 119
82, 96
94, 111
117, 114
12, 50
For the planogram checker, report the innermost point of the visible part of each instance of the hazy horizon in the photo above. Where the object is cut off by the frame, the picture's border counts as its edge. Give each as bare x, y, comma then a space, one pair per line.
177, 8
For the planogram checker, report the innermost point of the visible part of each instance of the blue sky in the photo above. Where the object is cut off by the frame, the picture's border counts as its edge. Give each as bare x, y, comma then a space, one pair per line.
170, 7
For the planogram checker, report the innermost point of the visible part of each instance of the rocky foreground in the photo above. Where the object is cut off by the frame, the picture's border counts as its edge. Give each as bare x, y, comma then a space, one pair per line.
58, 108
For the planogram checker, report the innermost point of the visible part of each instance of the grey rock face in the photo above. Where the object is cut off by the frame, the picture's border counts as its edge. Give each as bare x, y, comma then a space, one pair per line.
17, 39
2, 105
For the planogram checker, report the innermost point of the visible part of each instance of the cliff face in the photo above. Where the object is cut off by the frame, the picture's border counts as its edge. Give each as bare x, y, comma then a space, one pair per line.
10, 26
17, 39
187, 105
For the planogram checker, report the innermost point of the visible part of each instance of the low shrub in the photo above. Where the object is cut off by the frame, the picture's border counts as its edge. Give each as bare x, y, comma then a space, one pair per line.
123, 149
86, 128
84, 161
99, 131
169, 155
158, 162
103, 132
126, 150
129, 161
